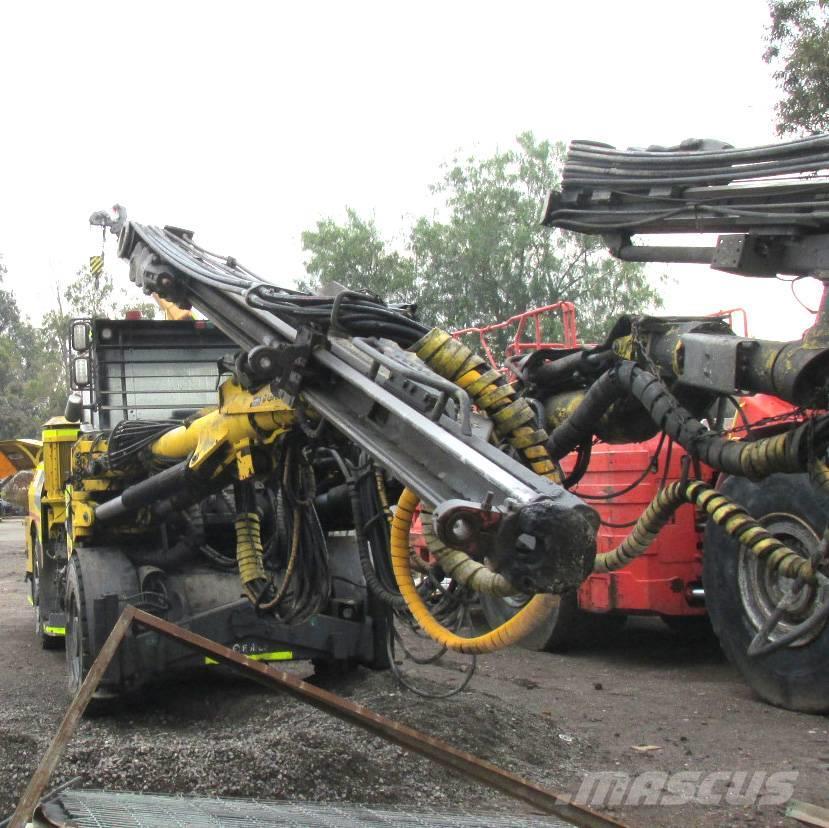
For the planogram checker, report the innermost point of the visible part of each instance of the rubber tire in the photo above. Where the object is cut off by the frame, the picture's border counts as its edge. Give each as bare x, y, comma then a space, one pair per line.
796, 678
566, 627
47, 642
78, 653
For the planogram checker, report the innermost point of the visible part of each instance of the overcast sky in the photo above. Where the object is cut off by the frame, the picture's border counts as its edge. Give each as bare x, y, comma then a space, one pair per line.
249, 121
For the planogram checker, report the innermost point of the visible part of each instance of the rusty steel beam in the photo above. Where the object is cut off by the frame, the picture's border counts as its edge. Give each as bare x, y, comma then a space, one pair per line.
34, 790
438, 751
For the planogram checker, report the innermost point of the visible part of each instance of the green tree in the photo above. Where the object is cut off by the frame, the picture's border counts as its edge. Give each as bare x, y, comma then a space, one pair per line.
86, 297
798, 46
355, 250
24, 403
34, 361
483, 255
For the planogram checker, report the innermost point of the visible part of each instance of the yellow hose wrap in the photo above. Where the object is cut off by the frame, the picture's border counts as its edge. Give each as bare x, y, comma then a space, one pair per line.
491, 392
521, 624
460, 567
724, 512
819, 474
249, 552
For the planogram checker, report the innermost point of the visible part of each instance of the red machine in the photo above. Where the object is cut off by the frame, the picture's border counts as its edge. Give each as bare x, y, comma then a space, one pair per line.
620, 482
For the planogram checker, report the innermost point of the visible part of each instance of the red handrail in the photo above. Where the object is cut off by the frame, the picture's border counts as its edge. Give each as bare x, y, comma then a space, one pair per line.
519, 344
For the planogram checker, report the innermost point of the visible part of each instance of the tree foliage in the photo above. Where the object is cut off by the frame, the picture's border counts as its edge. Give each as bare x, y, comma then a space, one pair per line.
482, 256
356, 248
25, 370
34, 360
798, 46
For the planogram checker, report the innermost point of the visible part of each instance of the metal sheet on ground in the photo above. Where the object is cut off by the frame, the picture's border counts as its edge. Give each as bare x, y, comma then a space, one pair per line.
92, 809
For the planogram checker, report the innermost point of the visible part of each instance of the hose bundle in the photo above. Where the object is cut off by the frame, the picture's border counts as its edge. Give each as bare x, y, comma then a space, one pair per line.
513, 417
732, 517
130, 437
298, 546
787, 452
171, 250
460, 567
695, 187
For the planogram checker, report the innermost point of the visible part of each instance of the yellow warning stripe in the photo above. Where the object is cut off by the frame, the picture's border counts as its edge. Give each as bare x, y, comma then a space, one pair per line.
54, 433
54, 630
96, 265
282, 655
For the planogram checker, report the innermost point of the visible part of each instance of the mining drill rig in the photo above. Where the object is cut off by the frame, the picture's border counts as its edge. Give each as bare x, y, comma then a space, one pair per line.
278, 487
339, 416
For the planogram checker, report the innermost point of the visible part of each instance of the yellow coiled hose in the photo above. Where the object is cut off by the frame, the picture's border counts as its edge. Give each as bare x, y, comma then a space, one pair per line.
819, 475
460, 567
521, 624
249, 554
491, 392
724, 512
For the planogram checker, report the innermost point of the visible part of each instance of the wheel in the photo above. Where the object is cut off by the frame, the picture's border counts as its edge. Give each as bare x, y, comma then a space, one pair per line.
565, 627
741, 593
78, 651
47, 641
78, 659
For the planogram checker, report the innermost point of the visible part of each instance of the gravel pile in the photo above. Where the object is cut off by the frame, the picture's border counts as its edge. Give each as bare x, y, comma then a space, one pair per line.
218, 735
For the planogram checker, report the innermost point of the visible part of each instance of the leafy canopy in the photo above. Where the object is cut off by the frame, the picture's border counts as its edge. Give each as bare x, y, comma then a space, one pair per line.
34, 361
798, 46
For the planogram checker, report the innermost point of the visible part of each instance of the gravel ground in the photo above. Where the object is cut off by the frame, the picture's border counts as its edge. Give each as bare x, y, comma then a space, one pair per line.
546, 717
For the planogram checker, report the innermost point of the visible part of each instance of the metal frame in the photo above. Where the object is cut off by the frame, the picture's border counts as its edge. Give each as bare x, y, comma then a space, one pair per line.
519, 345
406, 737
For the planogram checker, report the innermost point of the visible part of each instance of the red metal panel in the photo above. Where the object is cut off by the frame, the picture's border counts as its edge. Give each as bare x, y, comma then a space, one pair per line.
659, 581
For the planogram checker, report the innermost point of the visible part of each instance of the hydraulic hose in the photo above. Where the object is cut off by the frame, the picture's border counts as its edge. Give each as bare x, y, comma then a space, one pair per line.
755, 460
249, 554
461, 568
724, 512
513, 417
184, 550
579, 427
819, 475
524, 622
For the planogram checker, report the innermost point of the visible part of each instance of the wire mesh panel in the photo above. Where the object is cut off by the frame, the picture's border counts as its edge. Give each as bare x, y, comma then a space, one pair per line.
104, 809
149, 369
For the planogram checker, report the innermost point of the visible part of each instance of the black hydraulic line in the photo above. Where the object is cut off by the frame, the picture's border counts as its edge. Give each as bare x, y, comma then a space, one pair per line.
786, 452
185, 548
789, 148
391, 598
582, 462
576, 175
653, 466
580, 426
158, 487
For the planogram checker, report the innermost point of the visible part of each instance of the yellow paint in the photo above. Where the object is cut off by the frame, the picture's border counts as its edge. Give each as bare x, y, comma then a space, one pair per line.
55, 434
54, 630
241, 416
280, 655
